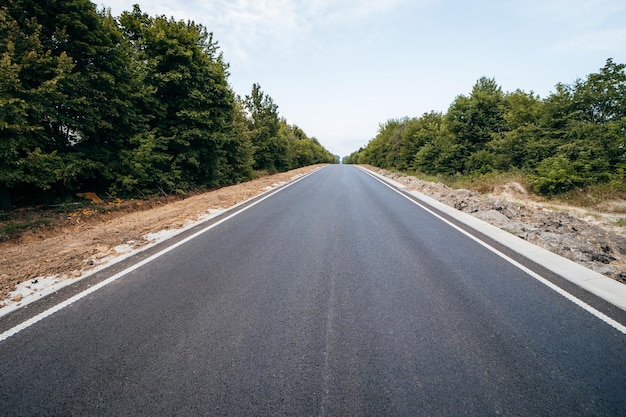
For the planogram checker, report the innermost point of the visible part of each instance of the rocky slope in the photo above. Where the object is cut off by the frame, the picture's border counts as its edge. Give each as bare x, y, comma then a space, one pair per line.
592, 239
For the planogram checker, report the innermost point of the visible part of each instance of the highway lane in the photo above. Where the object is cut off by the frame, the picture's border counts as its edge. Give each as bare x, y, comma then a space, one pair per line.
336, 296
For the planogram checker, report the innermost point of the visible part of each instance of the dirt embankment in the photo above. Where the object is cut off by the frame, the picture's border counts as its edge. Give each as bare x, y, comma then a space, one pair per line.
87, 238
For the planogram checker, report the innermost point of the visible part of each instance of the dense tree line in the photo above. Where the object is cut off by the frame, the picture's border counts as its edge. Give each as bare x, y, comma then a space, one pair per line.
127, 105
575, 137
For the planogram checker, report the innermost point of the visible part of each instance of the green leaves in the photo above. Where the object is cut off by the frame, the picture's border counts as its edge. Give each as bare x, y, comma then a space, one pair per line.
574, 138
264, 124
146, 165
276, 145
555, 175
30, 80
141, 104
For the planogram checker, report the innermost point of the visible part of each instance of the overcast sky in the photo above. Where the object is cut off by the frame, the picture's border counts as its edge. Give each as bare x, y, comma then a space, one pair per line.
340, 68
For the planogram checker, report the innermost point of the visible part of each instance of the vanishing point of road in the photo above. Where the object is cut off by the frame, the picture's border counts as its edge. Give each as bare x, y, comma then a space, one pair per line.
333, 296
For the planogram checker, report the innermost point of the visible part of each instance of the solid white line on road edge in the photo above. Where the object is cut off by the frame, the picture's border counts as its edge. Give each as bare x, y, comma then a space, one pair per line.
604, 287
620, 327
13, 331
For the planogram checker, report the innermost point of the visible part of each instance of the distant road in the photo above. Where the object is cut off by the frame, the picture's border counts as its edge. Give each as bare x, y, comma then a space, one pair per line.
336, 296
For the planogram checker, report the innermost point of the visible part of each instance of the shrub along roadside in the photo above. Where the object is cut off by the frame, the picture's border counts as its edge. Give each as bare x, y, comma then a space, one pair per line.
572, 140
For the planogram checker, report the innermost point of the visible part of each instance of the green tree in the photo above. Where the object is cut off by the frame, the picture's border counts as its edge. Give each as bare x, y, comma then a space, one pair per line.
555, 175
442, 155
584, 124
69, 66
30, 78
576, 137
522, 146
88, 122
237, 152
475, 119
417, 133
301, 150
598, 126
393, 135
191, 126
264, 124
601, 98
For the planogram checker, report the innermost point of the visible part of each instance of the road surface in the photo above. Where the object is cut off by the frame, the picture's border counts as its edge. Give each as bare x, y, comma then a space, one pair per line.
335, 296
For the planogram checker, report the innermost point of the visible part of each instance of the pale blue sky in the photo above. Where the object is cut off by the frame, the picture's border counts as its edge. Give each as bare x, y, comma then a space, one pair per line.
338, 69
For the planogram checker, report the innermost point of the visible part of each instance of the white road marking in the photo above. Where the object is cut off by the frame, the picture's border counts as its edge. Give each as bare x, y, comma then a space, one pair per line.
37, 318
620, 327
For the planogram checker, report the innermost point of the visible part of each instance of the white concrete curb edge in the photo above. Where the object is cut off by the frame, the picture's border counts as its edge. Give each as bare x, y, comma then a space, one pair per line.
604, 287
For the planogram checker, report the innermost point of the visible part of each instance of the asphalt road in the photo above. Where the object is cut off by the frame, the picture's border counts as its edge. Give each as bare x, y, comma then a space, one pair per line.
334, 297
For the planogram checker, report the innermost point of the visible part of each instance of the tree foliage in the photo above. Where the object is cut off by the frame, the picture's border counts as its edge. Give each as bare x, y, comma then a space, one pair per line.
278, 146
573, 138
133, 104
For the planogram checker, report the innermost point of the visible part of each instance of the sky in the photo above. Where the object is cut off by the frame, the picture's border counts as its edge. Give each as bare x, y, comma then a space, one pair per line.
338, 69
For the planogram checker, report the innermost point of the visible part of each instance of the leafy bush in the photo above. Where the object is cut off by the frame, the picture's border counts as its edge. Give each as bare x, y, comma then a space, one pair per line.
555, 175
574, 138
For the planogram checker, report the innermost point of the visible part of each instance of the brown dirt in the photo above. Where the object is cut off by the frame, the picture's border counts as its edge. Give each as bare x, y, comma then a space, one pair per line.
72, 243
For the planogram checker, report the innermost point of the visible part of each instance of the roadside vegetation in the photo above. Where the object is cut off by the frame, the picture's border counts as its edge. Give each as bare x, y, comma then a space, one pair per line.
37, 220
570, 145
127, 106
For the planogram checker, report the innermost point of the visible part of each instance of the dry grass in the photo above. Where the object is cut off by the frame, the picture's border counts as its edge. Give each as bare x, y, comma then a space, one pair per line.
592, 196
483, 183
602, 197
